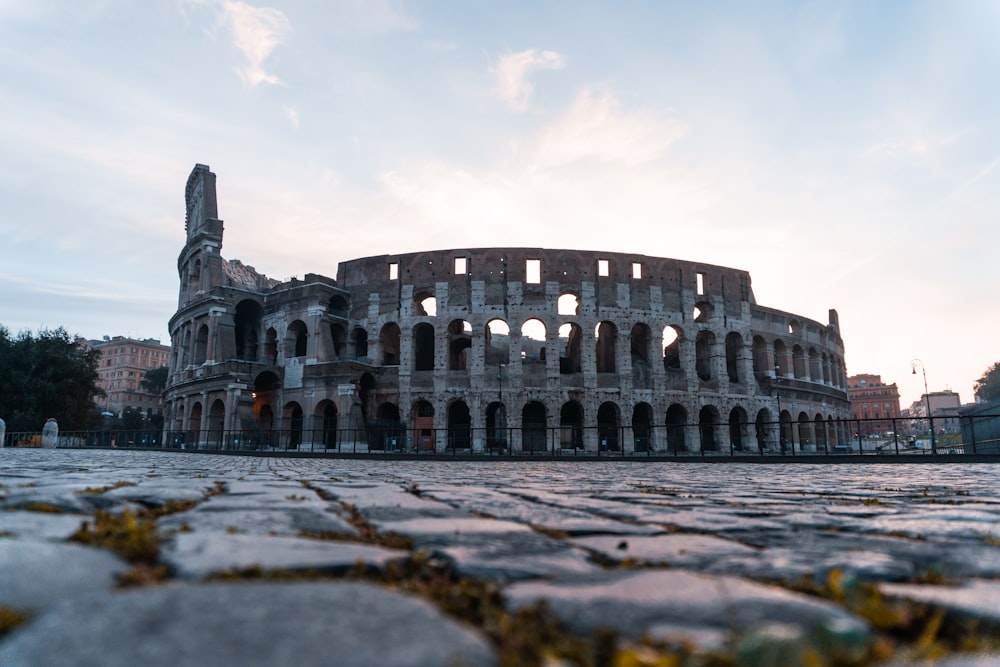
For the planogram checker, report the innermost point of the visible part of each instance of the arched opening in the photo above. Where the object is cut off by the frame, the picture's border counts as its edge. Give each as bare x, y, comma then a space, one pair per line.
292, 416
798, 362
642, 422
571, 359
708, 427
423, 347
246, 323
194, 425
568, 304
328, 413
497, 341
734, 349
496, 426
815, 367
459, 345
339, 306
201, 345
194, 281
676, 423
296, 339
702, 312
760, 363
671, 349
424, 303
704, 345
338, 336
387, 431
571, 426
761, 427
217, 424
423, 426
366, 390
271, 347
459, 426
388, 340
781, 358
806, 438
819, 431
533, 426
533, 342
738, 429
606, 335
359, 338
785, 431
640, 341
607, 427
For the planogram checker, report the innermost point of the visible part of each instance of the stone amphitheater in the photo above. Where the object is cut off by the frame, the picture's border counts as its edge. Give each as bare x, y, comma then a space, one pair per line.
493, 350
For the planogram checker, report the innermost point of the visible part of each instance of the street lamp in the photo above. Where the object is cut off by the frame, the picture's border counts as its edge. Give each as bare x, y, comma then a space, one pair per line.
927, 397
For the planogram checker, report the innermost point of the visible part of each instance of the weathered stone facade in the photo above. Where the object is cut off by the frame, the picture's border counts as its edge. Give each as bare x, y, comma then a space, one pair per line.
517, 348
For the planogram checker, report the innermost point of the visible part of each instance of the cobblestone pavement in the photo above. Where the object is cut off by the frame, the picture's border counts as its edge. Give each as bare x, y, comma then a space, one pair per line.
150, 558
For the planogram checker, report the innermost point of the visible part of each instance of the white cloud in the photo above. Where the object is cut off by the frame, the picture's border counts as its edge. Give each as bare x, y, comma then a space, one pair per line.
256, 33
293, 116
910, 147
597, 128
511, 72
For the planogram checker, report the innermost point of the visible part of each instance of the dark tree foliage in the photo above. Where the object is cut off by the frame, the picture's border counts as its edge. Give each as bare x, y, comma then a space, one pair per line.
48, 375
988, 386
154, 380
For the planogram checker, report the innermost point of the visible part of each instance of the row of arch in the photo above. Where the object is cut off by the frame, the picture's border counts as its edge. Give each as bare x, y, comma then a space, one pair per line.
534, 430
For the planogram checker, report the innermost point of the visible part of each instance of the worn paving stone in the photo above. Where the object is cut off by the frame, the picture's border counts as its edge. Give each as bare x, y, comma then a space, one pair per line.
674, 549
667, 604
287, 522
39, 525
193, 555
240, 624
976, 598
35, 575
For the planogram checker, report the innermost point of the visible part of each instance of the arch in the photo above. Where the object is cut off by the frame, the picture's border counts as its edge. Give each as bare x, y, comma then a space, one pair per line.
424, 303
704, 346
246, 323
676, 424
339, 306
785, 439
296, 339
642, 422
815, 367
201, 345
534, 423
781, 358
292, 416
806, 436
459, 344
497, 342
496, 426
819, 431
571, 359
761, 427
640, 342
423, 347
794, 328
708, 426
533, 341
459, 426
568, 304
672, 337
194, 280
389, 339
734, 349
608, 427
738, 429
798, 362
338, 335
326, 412
217, 423
194, 424
366, 390
423, 426
703, 311
387, 431
606, 335
265, 425
571, 425
359, 339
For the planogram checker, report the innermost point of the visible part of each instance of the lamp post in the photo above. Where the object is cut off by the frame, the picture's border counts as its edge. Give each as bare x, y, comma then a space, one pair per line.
927, 397
777, 394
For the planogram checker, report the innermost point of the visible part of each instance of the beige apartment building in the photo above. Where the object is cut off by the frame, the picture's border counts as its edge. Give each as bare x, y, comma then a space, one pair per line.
123, 366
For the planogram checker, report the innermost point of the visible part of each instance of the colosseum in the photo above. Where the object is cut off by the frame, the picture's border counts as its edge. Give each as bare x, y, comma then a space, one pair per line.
493, 350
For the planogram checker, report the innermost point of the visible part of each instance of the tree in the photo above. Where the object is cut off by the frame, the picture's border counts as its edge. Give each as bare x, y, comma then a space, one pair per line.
48, 375
155, 380
988, 386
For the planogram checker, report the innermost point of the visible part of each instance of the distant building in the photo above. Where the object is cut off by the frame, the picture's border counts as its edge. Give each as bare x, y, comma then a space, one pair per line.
873, 403
944, 411
123, 365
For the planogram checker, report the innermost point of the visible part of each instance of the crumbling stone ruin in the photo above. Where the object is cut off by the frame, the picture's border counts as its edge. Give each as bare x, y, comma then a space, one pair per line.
493, 349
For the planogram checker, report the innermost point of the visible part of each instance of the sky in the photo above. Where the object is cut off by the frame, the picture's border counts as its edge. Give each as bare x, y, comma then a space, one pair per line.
846, 154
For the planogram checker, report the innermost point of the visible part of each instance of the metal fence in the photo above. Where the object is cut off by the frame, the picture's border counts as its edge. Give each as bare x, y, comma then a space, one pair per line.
978, 435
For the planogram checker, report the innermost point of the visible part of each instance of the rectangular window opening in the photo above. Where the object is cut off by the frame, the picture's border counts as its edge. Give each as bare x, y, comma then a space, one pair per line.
603, 268
461, 266
393, 271
636, 270
701, 284
534, 270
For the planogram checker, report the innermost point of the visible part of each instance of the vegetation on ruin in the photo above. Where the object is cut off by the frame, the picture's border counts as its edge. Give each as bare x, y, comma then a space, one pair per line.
987, 388
48, 375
